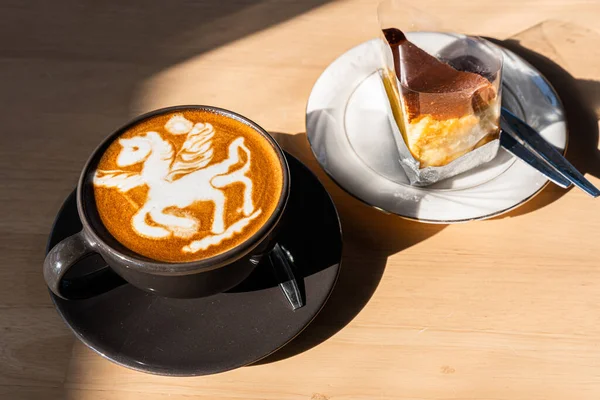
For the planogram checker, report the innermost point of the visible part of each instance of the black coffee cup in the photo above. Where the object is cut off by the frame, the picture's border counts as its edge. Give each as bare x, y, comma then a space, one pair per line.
200, 278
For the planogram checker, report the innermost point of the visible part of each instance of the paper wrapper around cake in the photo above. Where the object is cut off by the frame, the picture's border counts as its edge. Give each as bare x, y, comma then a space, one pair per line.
444, 121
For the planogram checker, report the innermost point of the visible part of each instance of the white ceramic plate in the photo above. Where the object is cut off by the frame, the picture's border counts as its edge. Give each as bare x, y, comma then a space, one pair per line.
351, 137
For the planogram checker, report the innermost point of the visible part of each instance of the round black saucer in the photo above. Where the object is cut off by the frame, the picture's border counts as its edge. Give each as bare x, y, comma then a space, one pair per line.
229, 330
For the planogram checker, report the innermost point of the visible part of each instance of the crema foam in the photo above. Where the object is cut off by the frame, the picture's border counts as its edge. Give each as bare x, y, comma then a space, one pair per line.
187, 185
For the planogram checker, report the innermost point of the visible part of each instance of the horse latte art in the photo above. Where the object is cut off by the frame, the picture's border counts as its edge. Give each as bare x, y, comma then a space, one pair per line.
188, 185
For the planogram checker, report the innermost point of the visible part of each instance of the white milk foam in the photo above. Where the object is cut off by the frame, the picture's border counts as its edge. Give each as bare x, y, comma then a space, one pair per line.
178, 125
180, 180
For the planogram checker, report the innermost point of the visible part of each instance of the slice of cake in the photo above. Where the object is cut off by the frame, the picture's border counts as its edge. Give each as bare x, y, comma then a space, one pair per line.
442, 113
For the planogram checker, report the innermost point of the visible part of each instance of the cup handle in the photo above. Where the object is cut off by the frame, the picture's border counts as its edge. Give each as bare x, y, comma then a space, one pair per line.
282, 264
65, 255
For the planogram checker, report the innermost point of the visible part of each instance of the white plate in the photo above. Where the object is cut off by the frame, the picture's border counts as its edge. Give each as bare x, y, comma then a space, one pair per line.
351, 137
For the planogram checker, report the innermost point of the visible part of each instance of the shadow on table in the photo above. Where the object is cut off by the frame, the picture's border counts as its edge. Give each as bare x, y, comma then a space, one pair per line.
580, 99
86, 62
370, 237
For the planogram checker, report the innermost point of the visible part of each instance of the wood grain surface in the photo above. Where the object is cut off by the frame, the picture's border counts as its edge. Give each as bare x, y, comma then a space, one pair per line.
501, 309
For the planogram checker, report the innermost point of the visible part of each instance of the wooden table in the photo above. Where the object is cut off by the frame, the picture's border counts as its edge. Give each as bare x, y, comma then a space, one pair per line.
502, 309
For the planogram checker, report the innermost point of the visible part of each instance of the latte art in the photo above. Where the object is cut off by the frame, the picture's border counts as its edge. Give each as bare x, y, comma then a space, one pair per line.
192, 186
196, 182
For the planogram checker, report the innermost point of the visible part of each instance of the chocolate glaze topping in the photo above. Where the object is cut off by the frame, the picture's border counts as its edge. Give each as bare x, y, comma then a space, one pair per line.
435, 88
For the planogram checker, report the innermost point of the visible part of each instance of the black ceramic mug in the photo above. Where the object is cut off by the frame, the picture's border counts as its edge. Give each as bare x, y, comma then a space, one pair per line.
184, 280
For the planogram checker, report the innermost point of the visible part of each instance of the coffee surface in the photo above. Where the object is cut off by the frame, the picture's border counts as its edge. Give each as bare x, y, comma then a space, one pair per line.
187, 185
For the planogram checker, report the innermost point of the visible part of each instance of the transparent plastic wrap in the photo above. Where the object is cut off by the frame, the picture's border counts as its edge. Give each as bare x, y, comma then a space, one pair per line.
444, 97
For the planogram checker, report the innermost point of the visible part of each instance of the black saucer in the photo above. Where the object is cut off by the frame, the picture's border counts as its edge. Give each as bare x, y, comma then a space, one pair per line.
213, 334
